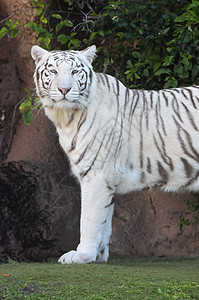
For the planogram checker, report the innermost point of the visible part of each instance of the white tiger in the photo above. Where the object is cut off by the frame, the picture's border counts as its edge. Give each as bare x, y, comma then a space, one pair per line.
117, 140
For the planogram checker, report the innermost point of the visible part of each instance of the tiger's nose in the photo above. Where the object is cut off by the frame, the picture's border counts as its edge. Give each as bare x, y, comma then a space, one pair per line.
64, 91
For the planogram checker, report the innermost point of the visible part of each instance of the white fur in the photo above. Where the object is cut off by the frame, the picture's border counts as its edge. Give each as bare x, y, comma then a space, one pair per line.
117, 140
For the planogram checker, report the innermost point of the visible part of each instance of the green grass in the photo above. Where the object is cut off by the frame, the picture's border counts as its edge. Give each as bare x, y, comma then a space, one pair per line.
150, 279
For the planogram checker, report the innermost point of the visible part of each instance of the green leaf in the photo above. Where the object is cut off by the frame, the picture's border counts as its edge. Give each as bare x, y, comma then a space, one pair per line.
47, 41
137, 76
136, 54
153, 57
31, 25
69, 2
121, 35
181, 18
40, 4
27, 91
22, 106
163, 71
43, 20
166, 30
40, 39
140, 31
178, 69
28, 117
14, 33
93, 34
3, 32
188, 37
168, 60
73, 34
169, 49
9, 22
59, 26
63, 39
156, 66
101, 32
146, 72
171, 83
185, 61
67, 23
75, 42
57, 16
39, 11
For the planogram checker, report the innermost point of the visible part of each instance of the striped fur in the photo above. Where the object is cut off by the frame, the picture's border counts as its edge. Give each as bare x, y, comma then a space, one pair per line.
118, 140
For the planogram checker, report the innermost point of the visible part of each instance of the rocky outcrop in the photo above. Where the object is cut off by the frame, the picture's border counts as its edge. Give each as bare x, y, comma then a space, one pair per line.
40, 209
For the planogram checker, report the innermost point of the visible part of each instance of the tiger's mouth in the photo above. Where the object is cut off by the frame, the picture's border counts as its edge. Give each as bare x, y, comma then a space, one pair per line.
60, 100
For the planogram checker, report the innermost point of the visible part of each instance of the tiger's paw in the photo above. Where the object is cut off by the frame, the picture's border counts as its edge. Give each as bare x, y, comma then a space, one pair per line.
76, 257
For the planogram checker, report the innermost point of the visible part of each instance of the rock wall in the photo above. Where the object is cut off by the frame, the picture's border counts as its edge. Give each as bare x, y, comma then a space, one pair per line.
146, 224
40, 209
40, 206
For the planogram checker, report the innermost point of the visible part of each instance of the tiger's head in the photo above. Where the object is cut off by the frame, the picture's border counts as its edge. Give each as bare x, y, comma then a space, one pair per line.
63, 78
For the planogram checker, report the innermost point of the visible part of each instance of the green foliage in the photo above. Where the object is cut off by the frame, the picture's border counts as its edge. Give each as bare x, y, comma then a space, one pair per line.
192, 212
154, 43
29, 105
144, 43
10, 28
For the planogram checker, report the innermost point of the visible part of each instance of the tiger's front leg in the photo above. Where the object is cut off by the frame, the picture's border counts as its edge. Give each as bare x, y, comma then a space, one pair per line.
95, 225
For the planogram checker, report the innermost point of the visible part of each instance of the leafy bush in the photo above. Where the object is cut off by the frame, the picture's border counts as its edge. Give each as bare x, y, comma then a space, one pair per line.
153, 43
146, 44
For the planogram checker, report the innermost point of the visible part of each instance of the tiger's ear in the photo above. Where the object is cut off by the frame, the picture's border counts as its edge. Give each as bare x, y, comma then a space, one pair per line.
89, 53
37, 53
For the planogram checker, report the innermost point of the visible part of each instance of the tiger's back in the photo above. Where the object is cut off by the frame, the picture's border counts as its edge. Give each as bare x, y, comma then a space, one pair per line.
117, 140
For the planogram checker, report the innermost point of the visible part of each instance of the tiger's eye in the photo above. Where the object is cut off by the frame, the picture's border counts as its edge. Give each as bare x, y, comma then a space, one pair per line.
75, 72
53, 71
